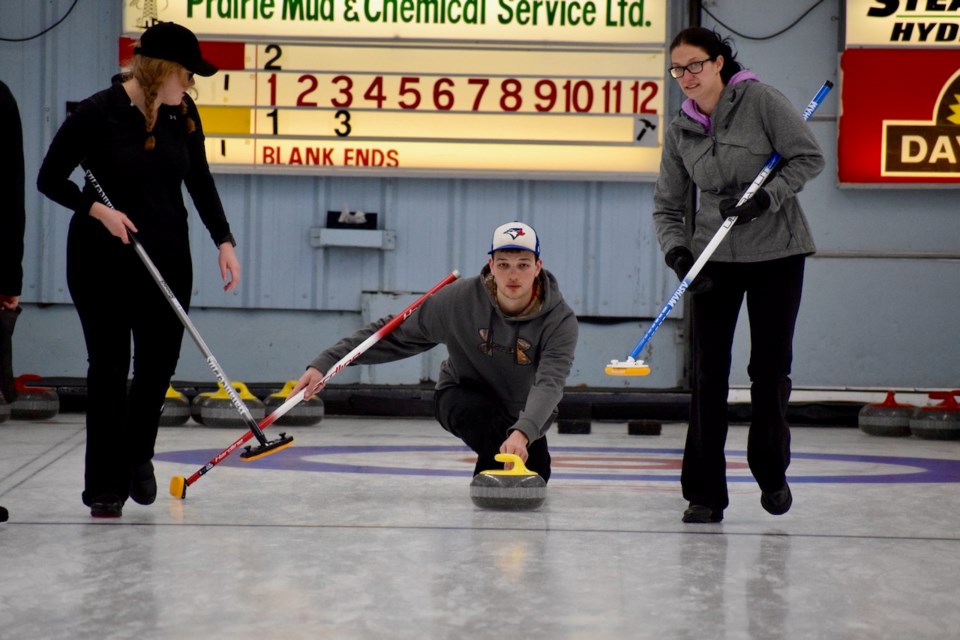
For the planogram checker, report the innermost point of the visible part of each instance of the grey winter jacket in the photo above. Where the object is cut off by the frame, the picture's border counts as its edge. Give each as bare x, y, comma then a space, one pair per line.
750, 122
525, 361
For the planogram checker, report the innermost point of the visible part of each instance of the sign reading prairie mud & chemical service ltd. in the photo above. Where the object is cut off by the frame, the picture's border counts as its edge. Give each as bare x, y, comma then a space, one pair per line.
483, 88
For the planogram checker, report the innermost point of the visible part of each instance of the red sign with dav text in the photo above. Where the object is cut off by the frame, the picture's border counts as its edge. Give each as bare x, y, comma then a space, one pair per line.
900, 116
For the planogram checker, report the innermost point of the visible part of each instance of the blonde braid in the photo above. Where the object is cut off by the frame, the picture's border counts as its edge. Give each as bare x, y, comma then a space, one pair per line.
150, 74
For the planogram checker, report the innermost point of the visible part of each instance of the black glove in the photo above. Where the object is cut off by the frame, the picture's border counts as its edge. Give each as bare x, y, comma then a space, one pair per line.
749, 210
680, 260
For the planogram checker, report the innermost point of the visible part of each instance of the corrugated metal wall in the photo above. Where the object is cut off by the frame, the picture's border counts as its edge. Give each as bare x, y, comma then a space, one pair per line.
880, 320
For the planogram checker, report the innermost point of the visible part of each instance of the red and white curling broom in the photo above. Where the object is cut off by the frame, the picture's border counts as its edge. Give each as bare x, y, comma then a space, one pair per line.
634, 367
179, 484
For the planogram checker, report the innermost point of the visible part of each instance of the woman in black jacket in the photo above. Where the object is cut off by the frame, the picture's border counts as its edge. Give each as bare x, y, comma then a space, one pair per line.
142, 139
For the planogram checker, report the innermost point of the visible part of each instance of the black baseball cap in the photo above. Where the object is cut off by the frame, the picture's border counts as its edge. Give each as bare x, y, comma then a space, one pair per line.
170, 41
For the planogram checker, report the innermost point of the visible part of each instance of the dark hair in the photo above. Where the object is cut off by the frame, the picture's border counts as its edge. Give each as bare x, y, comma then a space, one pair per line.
715, 45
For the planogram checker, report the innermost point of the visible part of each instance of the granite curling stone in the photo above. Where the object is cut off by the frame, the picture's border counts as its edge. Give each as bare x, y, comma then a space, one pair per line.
888, 418
303, 414
176, 409
938, 422
33, 403
217, 409
516, 489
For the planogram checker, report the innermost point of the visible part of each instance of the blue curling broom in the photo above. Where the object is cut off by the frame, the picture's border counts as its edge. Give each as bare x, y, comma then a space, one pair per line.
634, 367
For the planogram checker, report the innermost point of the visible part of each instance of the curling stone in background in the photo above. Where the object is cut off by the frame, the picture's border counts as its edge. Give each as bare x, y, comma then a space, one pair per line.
176, 409
517, 489
195, 405
33, 403
304, 414
217, 409
938, 422
888, 418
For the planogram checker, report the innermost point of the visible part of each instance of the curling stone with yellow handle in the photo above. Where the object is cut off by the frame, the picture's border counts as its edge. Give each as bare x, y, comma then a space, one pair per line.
515, 489
304, 414
217, 408
176, 409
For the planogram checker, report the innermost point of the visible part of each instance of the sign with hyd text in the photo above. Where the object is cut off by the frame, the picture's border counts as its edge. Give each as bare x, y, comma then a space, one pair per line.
476, 88
903, 23
903, 131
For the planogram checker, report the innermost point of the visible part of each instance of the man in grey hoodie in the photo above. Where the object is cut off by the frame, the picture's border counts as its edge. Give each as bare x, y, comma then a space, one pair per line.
510, 339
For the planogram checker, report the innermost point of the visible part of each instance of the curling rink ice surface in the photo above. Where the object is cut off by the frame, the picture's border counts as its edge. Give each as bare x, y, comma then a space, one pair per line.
364, 529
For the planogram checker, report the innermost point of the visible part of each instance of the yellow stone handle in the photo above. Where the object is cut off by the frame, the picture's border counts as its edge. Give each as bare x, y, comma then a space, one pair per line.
519, 469
221, 392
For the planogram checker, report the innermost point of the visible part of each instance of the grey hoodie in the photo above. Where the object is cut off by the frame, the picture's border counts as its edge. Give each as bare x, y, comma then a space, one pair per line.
524, 361
750, 122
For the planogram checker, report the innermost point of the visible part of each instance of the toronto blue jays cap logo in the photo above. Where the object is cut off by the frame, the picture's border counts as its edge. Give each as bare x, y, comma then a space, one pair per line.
515, 235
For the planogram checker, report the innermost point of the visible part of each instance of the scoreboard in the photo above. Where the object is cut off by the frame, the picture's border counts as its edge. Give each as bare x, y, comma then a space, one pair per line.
430, 107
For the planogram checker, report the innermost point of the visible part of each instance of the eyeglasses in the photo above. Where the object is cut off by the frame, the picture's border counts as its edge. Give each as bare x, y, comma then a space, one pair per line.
694, 68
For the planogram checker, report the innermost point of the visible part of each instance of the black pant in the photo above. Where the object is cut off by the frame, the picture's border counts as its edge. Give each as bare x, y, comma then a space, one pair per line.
116, 298
476, 416
773, 291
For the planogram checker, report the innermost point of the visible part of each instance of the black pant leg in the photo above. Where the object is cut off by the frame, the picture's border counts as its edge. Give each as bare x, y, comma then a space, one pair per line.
703, 475
157, 339
477, 417
773, 302
97, 276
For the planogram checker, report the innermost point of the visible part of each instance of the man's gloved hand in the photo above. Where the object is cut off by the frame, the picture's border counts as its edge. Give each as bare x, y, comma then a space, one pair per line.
681, 260
749, 210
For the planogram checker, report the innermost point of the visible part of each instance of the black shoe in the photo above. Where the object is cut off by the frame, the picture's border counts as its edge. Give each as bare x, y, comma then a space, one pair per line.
143, 484
777, 502
106, 507
700, 514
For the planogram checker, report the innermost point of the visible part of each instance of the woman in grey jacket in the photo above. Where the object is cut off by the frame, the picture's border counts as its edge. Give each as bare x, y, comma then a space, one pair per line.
727, 129
510, 341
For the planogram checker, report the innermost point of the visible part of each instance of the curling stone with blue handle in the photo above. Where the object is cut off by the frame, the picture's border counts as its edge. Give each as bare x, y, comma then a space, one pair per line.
305, 413
515, 489
888, 418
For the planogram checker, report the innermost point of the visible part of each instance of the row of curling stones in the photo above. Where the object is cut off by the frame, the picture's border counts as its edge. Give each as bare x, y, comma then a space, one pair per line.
515, 489
33, 402
177, 409
893, 419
